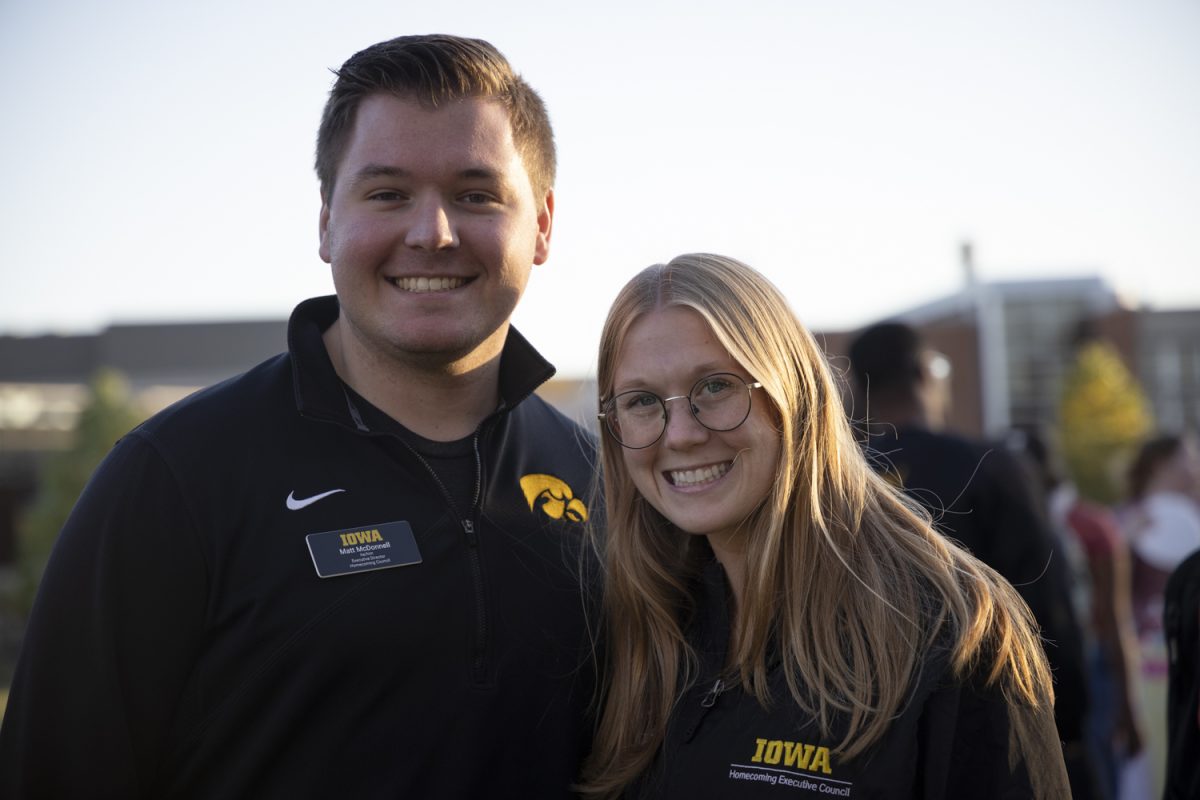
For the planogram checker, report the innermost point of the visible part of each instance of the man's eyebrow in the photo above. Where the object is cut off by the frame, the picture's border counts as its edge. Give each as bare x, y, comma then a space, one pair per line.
373, 171
480, 173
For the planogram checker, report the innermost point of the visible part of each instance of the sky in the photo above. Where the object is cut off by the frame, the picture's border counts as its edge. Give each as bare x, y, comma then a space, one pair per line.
157, 158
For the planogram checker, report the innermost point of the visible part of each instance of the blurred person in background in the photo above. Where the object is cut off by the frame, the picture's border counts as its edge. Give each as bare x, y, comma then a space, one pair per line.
980, 496
1181, 623
1091, 539
1161, 521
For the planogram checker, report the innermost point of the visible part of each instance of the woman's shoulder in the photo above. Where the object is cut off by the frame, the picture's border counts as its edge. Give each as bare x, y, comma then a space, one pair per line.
976, 733
969, 736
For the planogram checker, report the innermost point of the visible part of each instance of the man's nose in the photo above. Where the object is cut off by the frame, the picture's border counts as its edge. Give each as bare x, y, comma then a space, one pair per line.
430, 228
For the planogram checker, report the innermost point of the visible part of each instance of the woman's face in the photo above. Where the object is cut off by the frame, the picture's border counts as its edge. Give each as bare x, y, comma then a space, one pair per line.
1181, 472
703, 481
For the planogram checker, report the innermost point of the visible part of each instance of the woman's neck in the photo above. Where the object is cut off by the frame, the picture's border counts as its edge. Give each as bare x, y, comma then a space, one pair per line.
733, 560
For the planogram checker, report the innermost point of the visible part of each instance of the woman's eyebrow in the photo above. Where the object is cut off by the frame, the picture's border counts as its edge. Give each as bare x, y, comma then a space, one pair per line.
696, 374
629, 386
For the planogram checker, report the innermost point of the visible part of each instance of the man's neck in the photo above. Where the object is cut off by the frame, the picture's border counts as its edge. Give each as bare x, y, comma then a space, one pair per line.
442, 401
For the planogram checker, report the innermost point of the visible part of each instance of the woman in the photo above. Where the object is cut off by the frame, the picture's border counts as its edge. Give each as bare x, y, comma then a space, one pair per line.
778, 616
1162, 520
1162, 523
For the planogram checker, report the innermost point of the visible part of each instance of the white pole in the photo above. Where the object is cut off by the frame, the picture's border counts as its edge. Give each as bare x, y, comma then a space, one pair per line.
993, 350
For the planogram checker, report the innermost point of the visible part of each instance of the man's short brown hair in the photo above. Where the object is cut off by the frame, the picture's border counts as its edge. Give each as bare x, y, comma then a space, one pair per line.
435, 69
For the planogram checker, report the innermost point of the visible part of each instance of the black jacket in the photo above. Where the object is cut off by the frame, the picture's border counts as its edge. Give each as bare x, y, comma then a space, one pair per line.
1181, 625
183, 644
954, 739
980, 497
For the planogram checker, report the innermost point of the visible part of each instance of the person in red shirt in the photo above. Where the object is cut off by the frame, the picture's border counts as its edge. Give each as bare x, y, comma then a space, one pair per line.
1100, 565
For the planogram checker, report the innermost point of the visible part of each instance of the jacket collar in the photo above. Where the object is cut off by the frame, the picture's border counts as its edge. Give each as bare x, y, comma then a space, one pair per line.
319, 391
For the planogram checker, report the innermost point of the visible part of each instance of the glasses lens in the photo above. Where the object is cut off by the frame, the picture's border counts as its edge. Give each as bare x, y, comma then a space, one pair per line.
720, 402
636, 418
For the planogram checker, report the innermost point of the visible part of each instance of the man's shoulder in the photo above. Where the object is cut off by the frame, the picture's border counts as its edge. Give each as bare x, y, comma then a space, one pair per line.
947, 441
986, 459
919, 446
242, 402
542, 425
537, 410
230, 407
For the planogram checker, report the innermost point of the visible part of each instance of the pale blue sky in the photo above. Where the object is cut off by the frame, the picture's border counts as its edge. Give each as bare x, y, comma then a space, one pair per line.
157, 155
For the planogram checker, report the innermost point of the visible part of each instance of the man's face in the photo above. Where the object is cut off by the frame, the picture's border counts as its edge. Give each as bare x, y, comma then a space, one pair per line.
431, 229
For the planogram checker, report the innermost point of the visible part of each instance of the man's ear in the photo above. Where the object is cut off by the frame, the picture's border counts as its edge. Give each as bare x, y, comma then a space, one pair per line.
323, 226
545, 220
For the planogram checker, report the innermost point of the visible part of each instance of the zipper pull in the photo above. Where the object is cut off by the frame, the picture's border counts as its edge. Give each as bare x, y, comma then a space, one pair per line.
707, 702
469, 527
710, 698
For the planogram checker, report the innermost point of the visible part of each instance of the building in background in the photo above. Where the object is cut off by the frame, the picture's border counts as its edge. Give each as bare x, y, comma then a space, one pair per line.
1007, 371
1010, 344
1168, 358
44, 387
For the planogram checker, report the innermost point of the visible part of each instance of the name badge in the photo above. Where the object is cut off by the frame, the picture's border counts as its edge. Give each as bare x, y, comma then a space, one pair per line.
364, 549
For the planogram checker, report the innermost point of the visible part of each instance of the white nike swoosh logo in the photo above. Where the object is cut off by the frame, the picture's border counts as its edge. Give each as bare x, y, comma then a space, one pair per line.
295, 505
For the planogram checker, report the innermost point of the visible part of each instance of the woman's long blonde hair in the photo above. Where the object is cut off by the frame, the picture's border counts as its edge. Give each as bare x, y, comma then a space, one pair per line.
844, 577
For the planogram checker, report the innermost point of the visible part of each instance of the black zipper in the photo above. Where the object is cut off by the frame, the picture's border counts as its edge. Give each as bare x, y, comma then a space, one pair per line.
474, 560
467, 522
710, 697
706, 703
479, 650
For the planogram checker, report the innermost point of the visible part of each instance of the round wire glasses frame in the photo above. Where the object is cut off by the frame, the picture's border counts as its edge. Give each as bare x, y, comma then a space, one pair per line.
638, 418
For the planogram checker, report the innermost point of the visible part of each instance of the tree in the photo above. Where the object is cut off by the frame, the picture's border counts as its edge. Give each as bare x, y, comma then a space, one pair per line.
109, 415
1103, 417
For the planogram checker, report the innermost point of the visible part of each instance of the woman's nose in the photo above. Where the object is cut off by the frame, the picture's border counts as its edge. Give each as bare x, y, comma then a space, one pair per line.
683, 429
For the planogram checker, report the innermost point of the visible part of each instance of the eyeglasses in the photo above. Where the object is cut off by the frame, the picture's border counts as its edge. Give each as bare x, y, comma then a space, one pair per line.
638, 419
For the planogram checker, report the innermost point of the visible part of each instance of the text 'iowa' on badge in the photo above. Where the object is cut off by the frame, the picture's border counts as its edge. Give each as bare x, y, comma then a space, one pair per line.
363, 549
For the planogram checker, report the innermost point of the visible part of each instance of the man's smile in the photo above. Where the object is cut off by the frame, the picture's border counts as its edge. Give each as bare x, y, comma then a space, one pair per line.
425, 284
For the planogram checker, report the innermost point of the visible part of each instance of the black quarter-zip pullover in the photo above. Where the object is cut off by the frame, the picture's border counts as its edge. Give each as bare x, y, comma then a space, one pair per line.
183, 644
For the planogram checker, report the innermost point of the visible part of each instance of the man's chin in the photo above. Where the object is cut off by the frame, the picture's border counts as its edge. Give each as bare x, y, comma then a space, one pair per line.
457, 353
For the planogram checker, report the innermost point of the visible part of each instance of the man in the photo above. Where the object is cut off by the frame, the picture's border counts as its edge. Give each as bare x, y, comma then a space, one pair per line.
349, 572
978, 496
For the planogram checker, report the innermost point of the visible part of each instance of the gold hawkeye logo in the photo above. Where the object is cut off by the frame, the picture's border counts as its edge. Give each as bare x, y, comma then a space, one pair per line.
556, 498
